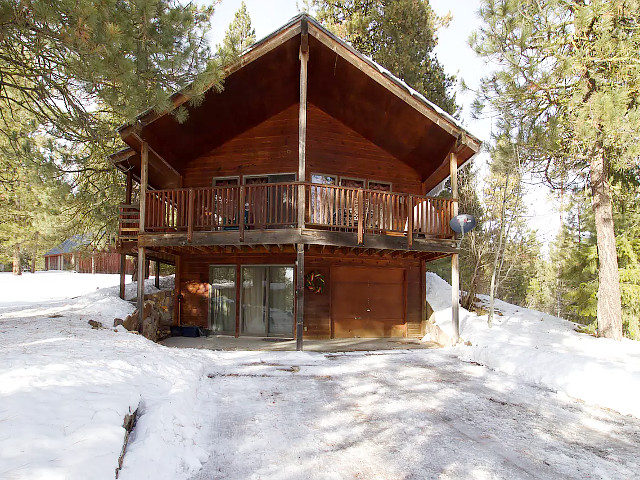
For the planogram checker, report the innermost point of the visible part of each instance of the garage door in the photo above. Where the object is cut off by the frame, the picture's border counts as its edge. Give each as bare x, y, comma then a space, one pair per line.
367, 302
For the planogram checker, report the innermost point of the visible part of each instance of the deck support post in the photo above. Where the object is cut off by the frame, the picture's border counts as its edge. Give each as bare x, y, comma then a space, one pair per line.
455, 270
157, 274
123, 272
129, 188
299, 295
177, 301
238, 299
302, 176
144, 176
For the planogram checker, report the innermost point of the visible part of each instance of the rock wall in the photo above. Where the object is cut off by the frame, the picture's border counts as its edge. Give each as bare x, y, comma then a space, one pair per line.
157, 314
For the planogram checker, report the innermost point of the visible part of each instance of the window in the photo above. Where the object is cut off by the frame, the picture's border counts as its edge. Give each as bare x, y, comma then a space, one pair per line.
380, 186
322, 179
269, 178
351, 182
225, 181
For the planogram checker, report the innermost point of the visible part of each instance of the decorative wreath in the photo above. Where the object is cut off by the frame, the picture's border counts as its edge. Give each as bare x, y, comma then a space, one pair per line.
315, 282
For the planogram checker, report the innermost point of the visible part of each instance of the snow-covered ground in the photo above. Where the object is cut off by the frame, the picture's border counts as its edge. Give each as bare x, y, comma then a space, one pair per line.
545, 350
65, 389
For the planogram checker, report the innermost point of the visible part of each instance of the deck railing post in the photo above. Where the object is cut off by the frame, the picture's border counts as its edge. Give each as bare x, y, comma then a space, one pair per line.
410, 221
144, 176
190, 215
455, 272
360, 217
302, 177
241, 212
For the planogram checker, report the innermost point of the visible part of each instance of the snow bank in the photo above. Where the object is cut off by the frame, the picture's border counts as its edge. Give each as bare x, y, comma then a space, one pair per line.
545, 350
65, 388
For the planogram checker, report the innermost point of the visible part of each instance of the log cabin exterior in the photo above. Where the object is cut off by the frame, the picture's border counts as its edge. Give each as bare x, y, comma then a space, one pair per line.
294, 202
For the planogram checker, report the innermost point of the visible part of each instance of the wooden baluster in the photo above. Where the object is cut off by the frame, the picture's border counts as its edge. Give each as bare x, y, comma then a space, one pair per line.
360, 217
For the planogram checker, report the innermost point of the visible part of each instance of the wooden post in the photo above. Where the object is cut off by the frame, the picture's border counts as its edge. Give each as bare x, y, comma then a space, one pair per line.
302, 122
423, 294
190, 216
360, 217
455, 270
410, 222
241, 212
238, 299
144, 175
158, 274
177, 291
129, 188
302, 176
299, 295
123, 272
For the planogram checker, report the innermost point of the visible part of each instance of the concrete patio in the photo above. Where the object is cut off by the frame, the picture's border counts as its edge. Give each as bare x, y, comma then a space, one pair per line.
221, 342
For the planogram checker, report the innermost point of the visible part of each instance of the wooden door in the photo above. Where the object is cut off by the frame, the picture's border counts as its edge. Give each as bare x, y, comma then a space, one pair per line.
368, 302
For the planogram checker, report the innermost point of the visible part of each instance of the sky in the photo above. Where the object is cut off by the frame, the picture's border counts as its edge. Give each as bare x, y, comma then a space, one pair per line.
452, 51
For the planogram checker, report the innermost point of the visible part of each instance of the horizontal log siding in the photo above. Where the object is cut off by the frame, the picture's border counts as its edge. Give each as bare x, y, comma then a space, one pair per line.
271, 147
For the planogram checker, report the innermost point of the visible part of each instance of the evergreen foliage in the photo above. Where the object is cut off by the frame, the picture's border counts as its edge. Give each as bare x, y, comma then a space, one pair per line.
238, 37
569, 85
70, 73
398, 34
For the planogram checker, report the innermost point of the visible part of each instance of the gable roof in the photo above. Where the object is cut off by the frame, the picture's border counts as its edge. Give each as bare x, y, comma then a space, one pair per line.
70, 245
265, 80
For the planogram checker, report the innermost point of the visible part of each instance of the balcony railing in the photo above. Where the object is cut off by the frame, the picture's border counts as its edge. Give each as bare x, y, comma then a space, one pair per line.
274, 206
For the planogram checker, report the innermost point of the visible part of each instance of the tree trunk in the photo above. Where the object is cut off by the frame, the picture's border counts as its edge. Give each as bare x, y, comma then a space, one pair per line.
609, 305
35, 253
17, 270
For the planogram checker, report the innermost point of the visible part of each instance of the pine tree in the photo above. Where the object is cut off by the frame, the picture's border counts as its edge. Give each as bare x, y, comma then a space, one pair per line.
71, 72
570, 77
33, 200
238, 37
398, 34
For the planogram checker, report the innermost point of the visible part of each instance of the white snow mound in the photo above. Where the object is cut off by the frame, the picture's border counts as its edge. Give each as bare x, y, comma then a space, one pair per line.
545, 350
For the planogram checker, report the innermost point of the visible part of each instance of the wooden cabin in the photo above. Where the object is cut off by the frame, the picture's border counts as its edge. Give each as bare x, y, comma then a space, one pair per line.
295, 202
74, 254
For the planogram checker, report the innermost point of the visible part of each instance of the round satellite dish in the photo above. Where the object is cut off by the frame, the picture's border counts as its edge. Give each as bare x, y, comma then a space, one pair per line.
463, 223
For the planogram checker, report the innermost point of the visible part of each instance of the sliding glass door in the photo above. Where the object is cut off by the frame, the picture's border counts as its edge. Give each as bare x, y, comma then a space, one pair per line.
254, 297
267, 300
222, 303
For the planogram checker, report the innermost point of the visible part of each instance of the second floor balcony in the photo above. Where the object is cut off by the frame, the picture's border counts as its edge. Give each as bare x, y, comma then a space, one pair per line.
269, 213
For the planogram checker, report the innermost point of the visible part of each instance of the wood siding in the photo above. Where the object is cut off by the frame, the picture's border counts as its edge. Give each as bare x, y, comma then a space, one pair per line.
105, 262
332, 148
194, 286
194, 279
319, 310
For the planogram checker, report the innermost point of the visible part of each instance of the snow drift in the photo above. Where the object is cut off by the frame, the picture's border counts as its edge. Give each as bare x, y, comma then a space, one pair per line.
545, 350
